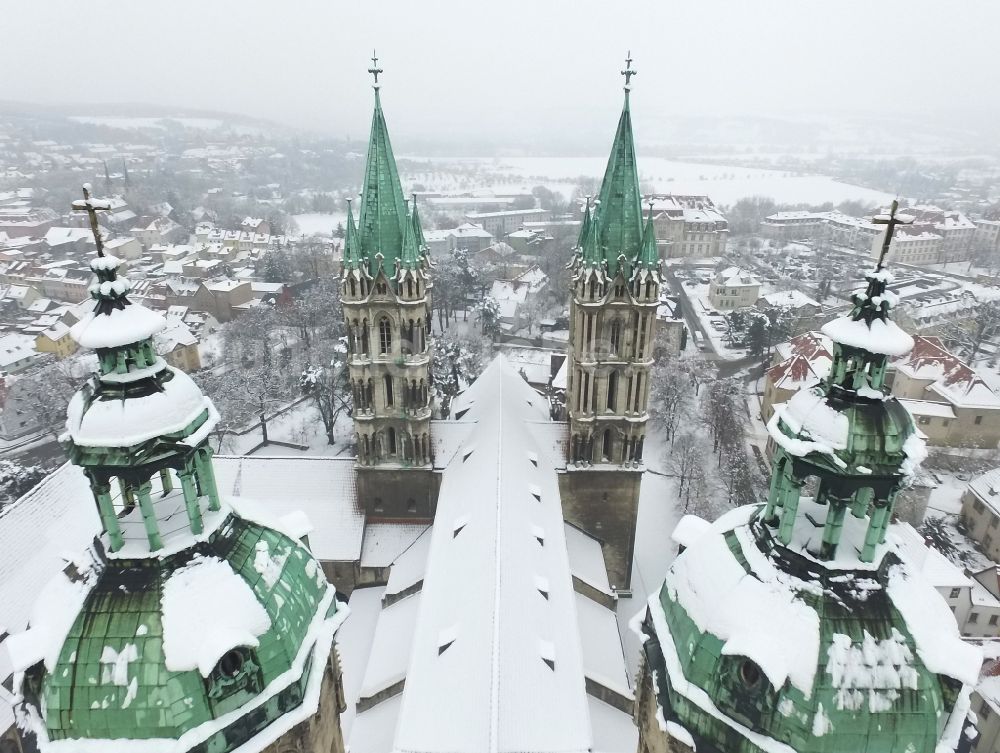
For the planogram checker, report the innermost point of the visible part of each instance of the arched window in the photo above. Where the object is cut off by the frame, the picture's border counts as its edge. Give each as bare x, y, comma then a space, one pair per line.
353, 286
616, 336
391, 435
384, 336
387, 383
613, 391
606, 445
364, 337
409, 287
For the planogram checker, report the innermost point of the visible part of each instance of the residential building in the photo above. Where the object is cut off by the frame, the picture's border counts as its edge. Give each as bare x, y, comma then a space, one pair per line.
733, 288
499, 224
157, 231
56, 340
19, 222
806, 313
124, 248
255, 225
981, 512
911, 244
177, 345
472, 238
985, 703
953, 405
223, 299
17, 353
688, 226
987, 236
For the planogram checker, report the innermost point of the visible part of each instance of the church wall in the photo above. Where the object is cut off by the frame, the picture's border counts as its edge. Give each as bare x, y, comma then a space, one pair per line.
652, 739
604, 502
409, 493
320, 733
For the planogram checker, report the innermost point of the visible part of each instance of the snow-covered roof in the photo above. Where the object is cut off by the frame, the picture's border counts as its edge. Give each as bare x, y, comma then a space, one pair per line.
928, 408
496, 633
792, 299
734, 277
586, 558
383, 543
322, 488
987, 488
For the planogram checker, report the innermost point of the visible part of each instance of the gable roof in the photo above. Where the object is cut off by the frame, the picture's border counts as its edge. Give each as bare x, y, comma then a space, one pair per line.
954, 381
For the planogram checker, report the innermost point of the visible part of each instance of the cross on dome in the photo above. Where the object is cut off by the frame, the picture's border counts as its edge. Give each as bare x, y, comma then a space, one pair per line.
91, 206
375, 70
891, 220
629, 71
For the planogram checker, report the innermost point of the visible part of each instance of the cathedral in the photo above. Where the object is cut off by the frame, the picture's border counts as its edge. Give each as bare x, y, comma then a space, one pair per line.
467, 584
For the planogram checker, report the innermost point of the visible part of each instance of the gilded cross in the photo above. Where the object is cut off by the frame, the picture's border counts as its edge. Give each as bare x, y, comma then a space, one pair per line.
91, 207
375, 70
628, 72
891, 220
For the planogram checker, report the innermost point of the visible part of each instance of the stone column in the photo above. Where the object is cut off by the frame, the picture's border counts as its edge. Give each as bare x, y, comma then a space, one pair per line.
191, 502
149, 517
106, 508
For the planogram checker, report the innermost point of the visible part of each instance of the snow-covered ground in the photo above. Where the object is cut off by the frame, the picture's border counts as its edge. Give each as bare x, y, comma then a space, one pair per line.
725, 184
200, 124
698, 296
319, 223
654, 551
302, 426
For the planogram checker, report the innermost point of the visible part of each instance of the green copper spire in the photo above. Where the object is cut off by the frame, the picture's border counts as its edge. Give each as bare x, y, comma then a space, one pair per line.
418, 228
590, 249
619, 212
410, 254
352, 255
382, 217
649, 256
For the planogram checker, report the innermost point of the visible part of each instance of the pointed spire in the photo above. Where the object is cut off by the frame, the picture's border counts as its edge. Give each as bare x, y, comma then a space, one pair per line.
418, 229
351, 253
410, 254
382, 217
649, 256
591, 251
619, 209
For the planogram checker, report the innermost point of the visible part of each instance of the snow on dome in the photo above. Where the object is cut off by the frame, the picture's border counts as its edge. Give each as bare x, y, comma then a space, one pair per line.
59, 603
126, 326
105, 263
123, 423
933, 627
808, 412
208, 610
713, 588
883, 337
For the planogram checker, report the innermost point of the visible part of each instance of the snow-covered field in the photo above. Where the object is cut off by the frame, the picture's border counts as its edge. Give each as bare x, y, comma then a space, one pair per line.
318, 223
200, 124
725, 184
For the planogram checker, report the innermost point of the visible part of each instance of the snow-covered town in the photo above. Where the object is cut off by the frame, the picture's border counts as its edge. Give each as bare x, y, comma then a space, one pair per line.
399, 402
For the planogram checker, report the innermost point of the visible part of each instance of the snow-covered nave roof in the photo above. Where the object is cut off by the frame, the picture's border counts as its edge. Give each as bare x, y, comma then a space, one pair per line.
497, 629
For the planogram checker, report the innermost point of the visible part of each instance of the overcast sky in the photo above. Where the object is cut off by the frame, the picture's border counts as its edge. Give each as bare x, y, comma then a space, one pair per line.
507, 67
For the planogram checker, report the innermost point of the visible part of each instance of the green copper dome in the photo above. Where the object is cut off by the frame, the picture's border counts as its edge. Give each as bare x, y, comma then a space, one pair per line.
752, 646
125, 671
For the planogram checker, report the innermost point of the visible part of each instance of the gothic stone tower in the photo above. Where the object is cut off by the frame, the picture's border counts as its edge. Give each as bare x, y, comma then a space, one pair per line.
801, 624
614, 297
193, 624
386, 293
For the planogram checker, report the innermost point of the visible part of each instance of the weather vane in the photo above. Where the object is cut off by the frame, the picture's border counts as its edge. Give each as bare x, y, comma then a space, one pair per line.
891, 220
91, 207
628, 72
375, 70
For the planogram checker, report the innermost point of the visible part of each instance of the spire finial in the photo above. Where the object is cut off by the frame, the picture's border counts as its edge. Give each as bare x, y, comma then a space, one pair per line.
375, 70
891, 220
90, 206
628, 72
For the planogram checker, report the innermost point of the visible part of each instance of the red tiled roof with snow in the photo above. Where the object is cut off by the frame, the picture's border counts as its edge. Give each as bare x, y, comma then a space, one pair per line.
797, 372
955, 381
811, 345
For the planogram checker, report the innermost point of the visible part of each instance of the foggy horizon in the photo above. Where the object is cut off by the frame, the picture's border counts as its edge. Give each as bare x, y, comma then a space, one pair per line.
516, 74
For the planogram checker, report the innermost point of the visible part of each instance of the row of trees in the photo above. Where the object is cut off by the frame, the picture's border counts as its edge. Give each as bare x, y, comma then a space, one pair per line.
704, 420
